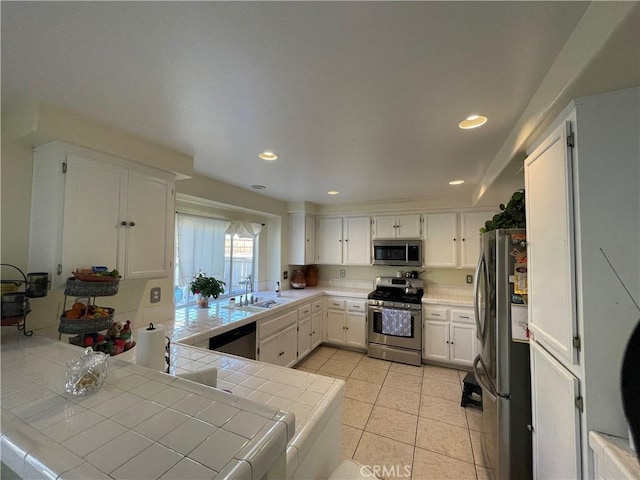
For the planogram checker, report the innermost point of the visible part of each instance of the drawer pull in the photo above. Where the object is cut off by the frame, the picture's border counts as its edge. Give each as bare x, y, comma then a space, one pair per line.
435, 314
464, 316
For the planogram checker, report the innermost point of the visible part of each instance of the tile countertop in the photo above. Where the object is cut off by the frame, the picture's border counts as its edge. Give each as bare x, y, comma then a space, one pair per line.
192, 325
141, 423
613, 457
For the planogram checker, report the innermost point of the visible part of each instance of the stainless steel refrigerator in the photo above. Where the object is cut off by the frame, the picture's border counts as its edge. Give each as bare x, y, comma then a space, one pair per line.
503, 368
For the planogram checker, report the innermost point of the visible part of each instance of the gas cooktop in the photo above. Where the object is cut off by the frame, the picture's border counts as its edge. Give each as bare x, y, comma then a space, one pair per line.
397, 290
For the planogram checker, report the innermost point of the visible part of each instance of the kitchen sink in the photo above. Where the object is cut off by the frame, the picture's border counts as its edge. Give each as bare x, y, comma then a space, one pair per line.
247, 308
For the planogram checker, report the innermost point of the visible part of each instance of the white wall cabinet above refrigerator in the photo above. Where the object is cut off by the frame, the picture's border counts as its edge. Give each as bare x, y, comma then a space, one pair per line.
92, 209
343, 241
397, 226
452, 239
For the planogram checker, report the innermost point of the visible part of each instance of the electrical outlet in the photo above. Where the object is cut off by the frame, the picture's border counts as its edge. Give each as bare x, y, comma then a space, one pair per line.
469, 279
343, 273
155, 295
285, 275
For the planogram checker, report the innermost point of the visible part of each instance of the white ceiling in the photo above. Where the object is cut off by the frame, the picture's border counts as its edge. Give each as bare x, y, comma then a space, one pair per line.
359, 97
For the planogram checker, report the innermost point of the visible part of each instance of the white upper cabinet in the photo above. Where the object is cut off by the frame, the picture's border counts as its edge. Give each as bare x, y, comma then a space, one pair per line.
329, 246
357, 241
104, 211
452, 239
440, 240
343, 241
302, 238
397, 226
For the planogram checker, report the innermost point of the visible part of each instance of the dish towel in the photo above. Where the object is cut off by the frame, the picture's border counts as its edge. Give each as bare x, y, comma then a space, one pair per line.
396, 322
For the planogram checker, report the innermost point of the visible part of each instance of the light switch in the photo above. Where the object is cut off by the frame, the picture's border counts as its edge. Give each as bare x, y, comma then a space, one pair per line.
343, 273
155, 295
469, 279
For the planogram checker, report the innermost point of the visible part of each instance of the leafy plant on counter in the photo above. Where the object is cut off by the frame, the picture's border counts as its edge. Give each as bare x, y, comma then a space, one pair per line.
511, 216
206, 286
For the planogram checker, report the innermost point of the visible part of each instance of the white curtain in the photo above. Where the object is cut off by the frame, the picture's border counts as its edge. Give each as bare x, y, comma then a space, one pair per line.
199, 247
244, 229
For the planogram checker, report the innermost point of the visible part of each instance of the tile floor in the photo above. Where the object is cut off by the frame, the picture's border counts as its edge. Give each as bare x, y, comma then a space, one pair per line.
398, 415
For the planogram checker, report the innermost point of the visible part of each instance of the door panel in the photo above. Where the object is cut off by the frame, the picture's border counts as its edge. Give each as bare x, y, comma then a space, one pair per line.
356, 333
269, 350
304, 337
335, 326
462, 343
287, 343
436, 340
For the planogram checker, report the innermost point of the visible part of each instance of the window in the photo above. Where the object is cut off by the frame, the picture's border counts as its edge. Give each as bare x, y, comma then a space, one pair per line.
219, 248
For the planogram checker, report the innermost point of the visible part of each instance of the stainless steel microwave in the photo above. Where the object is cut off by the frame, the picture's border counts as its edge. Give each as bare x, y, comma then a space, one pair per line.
399, 253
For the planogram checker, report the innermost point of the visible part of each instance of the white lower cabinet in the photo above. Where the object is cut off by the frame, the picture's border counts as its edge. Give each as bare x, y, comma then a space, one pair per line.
316, 324
346, 322
555, 417
278, 340
304, 331
449, 335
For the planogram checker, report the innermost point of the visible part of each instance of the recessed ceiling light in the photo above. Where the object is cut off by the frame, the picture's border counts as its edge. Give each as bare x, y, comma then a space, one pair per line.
473, 121
456, 182
258, 187
333, 192
267, 155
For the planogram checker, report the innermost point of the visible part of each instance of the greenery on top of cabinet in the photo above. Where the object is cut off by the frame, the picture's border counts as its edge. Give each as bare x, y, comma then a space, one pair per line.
511, 216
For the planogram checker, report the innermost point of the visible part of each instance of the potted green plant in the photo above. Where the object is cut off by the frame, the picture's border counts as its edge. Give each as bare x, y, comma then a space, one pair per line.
206, 287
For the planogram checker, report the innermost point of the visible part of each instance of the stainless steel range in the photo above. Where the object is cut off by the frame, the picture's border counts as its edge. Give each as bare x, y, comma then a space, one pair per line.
395, 320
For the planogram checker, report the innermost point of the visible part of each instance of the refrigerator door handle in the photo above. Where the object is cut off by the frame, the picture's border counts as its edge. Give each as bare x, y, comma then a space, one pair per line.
481, 268
486, 388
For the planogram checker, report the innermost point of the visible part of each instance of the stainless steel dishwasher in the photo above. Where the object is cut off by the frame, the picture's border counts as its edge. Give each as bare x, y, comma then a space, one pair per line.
240, 341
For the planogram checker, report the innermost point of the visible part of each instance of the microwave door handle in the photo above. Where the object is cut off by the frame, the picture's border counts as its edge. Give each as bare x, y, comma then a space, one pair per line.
406, 252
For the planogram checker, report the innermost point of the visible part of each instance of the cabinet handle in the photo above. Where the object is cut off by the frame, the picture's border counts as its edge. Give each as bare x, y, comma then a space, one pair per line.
454, 239
346, 239
463, 239
435, 314
461, 316
132, 224
123, 223
313, 333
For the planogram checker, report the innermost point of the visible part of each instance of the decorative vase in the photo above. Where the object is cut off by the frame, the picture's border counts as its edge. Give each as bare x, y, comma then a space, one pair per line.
203, 302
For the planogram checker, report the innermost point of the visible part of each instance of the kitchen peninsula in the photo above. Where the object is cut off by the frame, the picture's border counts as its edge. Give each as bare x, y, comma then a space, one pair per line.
143, 416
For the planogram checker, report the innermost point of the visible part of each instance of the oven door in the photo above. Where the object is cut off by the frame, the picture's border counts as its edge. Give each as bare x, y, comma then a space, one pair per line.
395, 327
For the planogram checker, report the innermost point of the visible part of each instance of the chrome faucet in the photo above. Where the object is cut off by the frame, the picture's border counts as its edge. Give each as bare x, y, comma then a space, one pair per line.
248, 289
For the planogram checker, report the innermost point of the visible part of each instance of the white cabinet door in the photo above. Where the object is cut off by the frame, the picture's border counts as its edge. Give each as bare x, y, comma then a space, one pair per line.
336, 327
304, 337
408, 226
302, 232
316, 329
150, 213
95, 202
357, 241
462, 343
556, 420
288, 345
470, 224
397, 226
384, 226
440, 240
329, 246
436, 340
268, 350
356, 331
548, 180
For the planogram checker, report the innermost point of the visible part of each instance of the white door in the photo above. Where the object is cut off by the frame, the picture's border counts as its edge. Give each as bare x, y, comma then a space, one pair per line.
550, 250
316, 329
462, 343
408, 226
336, 326
304, 337
436, 340
384, 226
310, 239
149, 218
470, 224
268, 349
555, 417
356, 332
440, 240
329, 246
288, 344
95, 202
357, 241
